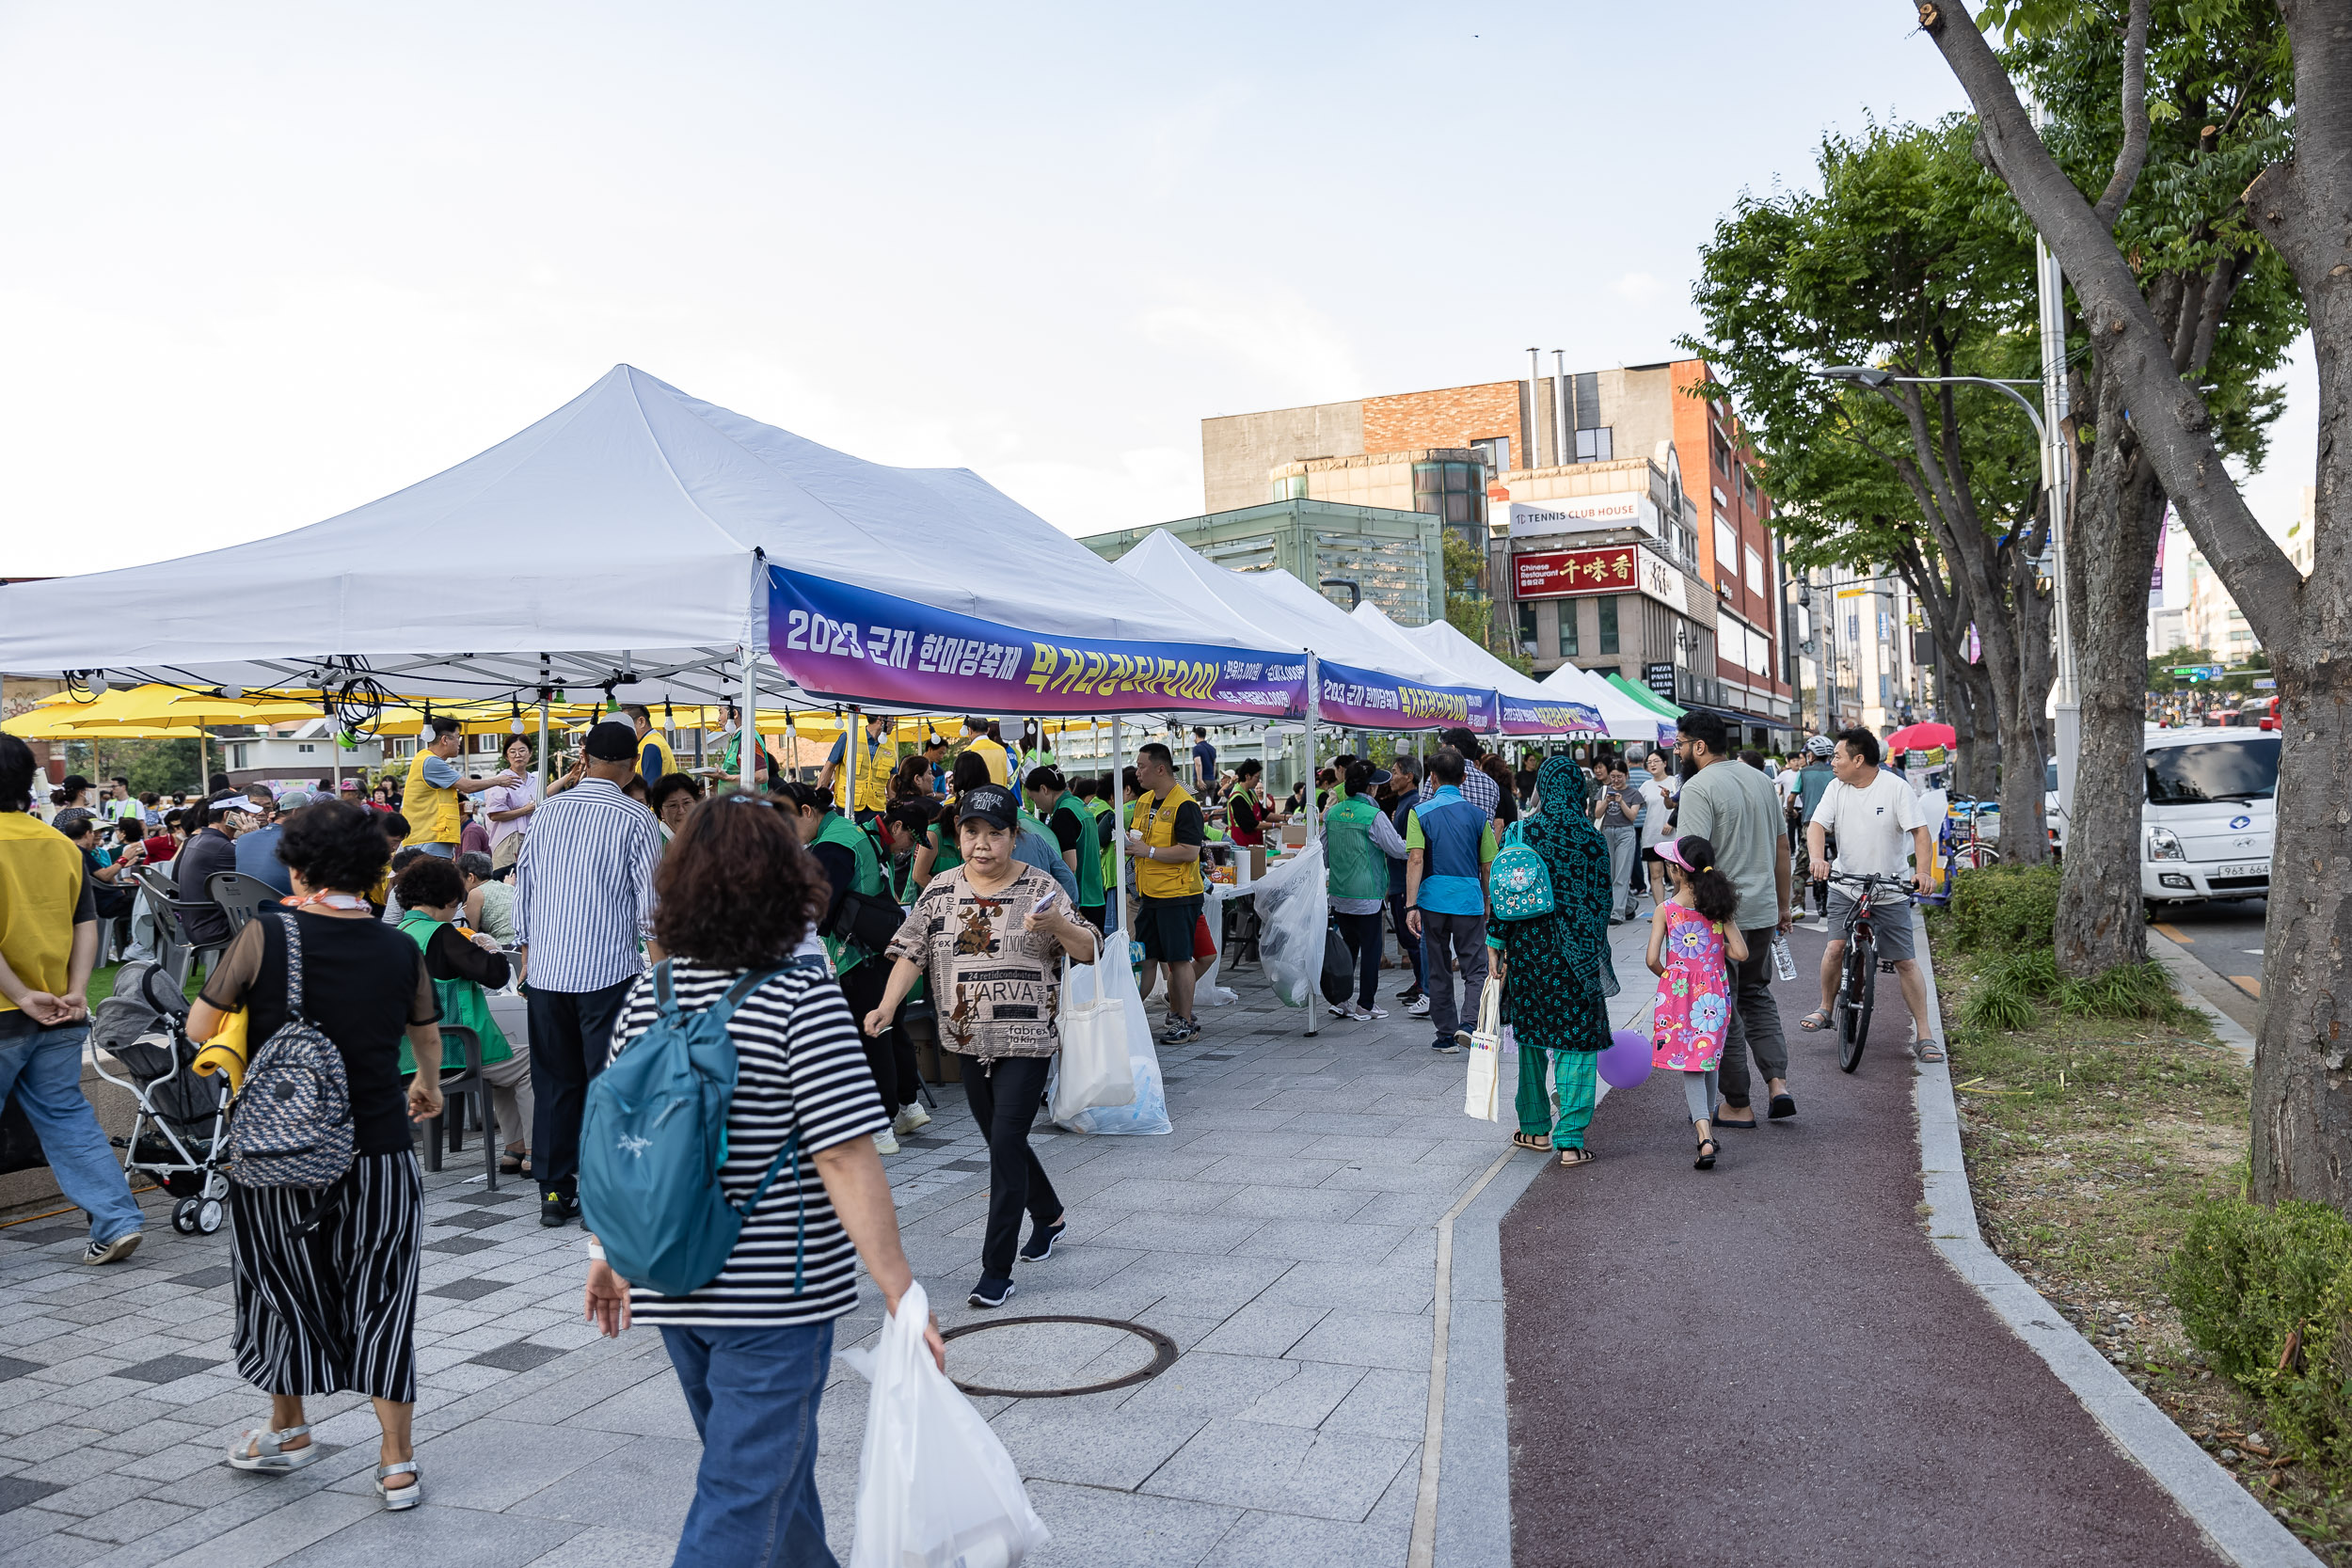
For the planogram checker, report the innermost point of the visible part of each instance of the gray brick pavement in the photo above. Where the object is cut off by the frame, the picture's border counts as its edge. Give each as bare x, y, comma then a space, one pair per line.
1282, 1236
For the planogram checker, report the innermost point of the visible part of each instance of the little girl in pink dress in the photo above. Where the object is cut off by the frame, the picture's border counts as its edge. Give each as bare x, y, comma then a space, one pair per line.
1689, 940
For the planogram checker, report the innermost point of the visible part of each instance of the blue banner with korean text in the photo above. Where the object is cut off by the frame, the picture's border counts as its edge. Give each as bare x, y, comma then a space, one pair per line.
853, 644
1357, 699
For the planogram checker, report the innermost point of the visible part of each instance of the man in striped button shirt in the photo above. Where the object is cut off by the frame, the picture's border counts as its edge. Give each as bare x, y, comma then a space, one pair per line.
583, 902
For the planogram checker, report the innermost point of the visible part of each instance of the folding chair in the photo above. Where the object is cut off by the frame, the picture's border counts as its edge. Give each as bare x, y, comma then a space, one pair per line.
456, 1089
239, 896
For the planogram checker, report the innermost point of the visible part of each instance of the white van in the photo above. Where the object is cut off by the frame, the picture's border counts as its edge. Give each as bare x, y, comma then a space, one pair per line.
2205, 830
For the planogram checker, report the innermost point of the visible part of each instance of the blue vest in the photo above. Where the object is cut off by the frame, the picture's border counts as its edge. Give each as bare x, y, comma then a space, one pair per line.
1454, 832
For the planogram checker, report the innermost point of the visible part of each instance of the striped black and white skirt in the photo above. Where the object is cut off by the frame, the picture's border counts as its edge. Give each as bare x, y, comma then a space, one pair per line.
337, 1308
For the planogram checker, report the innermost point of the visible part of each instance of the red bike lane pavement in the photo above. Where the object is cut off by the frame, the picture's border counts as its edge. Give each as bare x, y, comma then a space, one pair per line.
1768, 1363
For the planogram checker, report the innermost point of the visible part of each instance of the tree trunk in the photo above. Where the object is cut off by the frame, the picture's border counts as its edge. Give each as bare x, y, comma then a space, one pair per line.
1983, 769
2100, 918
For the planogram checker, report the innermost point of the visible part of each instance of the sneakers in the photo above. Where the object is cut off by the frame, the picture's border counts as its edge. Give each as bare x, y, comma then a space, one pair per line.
1042, 1240
1179, 1030
111, 1252
555, 1209
884, 1143
1338, 1009
1446, 1046
991, 1292
1365, 1015
1417, 1008
911, 1121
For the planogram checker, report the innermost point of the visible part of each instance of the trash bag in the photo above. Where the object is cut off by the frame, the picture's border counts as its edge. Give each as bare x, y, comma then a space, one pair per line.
1147, 1112
1093, 1067
935, 1487
1339, 967
1294, 918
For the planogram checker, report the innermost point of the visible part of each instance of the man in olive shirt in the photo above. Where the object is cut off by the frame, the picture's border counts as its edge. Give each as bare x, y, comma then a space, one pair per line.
1735, 809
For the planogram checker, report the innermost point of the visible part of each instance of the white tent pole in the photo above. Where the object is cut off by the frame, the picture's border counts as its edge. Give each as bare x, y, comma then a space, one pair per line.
1118, 820
539, 785
852, 736
1314, 701
749, 733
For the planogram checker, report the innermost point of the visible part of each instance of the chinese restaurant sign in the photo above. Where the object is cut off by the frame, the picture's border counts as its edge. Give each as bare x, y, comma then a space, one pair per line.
857, 645
1559, 574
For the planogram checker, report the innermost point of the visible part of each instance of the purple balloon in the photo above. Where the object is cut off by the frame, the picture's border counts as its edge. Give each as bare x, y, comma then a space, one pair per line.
1627, 1061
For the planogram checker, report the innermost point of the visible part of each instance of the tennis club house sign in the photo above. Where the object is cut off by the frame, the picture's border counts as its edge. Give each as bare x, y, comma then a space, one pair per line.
1624, 511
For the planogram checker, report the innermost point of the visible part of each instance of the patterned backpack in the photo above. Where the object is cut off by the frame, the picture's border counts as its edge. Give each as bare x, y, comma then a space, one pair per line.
1518, 884
290, 1125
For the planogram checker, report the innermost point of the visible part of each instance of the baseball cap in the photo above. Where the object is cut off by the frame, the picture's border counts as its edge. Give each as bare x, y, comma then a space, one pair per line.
610, 741
1671, 849
1820, 746
352, 784
991, 803
295, 799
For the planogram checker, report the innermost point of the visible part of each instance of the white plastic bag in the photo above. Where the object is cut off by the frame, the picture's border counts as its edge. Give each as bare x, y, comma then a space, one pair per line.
1093, 1067
1481, 1096
1148, 1112
1293, 919
935, 1488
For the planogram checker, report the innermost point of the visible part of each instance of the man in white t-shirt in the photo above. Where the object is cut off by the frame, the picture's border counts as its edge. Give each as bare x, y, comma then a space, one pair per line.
1872, 811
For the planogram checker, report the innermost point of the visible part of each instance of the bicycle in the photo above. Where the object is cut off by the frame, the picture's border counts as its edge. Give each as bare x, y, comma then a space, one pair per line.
1969, 850
1857, 988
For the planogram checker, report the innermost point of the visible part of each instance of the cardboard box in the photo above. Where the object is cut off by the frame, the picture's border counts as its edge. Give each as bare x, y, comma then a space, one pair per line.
1294, 834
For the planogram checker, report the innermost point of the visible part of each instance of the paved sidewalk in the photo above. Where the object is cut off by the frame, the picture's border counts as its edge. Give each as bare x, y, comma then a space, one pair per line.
1768, 1363
1283, 1236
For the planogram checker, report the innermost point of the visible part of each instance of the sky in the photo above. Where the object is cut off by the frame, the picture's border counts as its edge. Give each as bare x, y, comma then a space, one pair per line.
268, 262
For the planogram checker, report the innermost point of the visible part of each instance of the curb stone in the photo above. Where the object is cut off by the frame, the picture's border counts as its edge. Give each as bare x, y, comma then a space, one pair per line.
2239, 1528
2184, 968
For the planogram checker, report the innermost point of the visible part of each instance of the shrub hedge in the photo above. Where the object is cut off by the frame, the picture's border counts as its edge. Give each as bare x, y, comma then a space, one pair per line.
2005, 908
2266, 1295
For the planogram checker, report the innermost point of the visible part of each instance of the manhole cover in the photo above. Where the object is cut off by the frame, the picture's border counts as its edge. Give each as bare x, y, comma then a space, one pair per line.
1047, 1357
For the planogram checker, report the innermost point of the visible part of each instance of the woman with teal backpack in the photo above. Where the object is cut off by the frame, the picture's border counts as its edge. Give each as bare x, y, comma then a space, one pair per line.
1357, 840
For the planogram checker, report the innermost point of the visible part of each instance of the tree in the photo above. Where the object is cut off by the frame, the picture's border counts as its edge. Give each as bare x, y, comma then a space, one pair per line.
1467, 606
2161, 680
2168, 111
1895, 262
2302, 204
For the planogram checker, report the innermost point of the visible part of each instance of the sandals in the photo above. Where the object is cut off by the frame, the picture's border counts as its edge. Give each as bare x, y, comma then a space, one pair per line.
1535, 1141
512, 1162
1814, 1021
1577, 1156
1929, 1050
270, 1454
1707, 1152
397, 1497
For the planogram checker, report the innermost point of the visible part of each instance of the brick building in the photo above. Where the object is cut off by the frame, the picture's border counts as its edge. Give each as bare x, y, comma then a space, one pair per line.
1590, 460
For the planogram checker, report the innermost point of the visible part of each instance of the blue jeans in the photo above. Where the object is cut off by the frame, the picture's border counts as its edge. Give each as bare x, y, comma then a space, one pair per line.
45, 1068
753, 1394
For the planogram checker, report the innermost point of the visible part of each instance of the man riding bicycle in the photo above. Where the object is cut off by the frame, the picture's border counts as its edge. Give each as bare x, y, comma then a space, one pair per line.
1870, 810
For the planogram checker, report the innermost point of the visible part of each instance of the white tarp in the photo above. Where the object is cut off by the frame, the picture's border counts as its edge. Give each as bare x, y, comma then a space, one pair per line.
1627, 718
623, 521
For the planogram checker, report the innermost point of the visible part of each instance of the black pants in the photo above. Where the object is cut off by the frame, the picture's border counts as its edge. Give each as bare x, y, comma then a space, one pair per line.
571, 1038
1361, 932
1004, 1096
1407, 944
1754, 1027
890, 1056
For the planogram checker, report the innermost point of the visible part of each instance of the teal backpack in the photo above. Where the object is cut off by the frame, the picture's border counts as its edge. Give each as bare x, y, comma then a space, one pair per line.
1518, 884
653, 1137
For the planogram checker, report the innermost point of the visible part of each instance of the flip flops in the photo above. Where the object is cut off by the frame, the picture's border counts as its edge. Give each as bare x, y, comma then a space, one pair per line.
1814, 1021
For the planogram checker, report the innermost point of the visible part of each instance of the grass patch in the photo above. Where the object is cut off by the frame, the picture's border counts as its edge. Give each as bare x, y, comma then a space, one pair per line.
2094, 1143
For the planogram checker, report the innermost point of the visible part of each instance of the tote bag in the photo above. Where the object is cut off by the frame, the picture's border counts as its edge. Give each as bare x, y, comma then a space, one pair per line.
1481, 1095
1093, 1069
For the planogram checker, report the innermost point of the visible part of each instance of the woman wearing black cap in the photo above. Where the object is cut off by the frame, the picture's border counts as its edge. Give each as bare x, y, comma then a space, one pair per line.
987, 932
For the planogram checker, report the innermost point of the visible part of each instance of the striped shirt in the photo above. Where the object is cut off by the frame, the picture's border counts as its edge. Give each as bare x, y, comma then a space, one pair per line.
800, 1067
583, 888
1478, 789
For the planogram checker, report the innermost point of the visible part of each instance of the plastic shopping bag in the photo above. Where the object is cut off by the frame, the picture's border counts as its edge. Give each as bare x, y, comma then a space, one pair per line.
1147, 1112
1093, 1067
1293, 921
1482, 1097
935, 1488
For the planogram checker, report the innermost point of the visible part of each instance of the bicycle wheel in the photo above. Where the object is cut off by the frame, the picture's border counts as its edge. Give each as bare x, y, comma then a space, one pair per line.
1856, 997
1970, 857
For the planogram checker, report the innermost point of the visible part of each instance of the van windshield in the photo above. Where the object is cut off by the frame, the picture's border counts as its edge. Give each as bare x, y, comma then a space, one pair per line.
2215, 770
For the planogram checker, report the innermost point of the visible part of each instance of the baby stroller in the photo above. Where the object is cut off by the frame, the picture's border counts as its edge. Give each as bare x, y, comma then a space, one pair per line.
175, 1138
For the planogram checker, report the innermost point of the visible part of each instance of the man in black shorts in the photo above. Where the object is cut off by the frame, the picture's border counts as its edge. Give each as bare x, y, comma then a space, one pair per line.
1164, 844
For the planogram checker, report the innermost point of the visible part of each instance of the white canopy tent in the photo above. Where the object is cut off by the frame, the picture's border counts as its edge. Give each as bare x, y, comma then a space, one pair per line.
622, 534
1627, 718
1444, 642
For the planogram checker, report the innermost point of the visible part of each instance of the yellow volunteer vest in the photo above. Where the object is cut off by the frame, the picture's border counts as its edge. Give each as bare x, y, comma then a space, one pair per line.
992, 754
661, 749
41, 882
874, 765
432, 813
1156, 820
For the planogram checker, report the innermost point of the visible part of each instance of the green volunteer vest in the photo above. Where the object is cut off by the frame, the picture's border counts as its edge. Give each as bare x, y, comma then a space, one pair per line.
1089, 858
1102, 809
461, 1003
1357, 869
868, 880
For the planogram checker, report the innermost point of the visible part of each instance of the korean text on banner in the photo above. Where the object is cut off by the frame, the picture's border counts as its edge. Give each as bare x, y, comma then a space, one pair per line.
854, 644
1366, 700
1530, 716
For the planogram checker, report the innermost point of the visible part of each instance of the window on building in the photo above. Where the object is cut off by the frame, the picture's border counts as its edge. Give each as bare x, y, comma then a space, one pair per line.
1609, 623
1747, 488
1456, 492
1721, 449
1567, 629
1727, 552
1291, 488
306, 748
1756, 574
1596, 445
1496, 451
1594, 439
1527, 628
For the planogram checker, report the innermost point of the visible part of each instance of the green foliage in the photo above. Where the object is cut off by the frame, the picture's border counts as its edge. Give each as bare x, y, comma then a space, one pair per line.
2000, 910
1467, 608
2012, 988
2245, 1277
162, 765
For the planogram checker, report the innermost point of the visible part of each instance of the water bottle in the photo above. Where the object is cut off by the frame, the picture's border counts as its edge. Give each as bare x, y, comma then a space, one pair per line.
1784, 961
